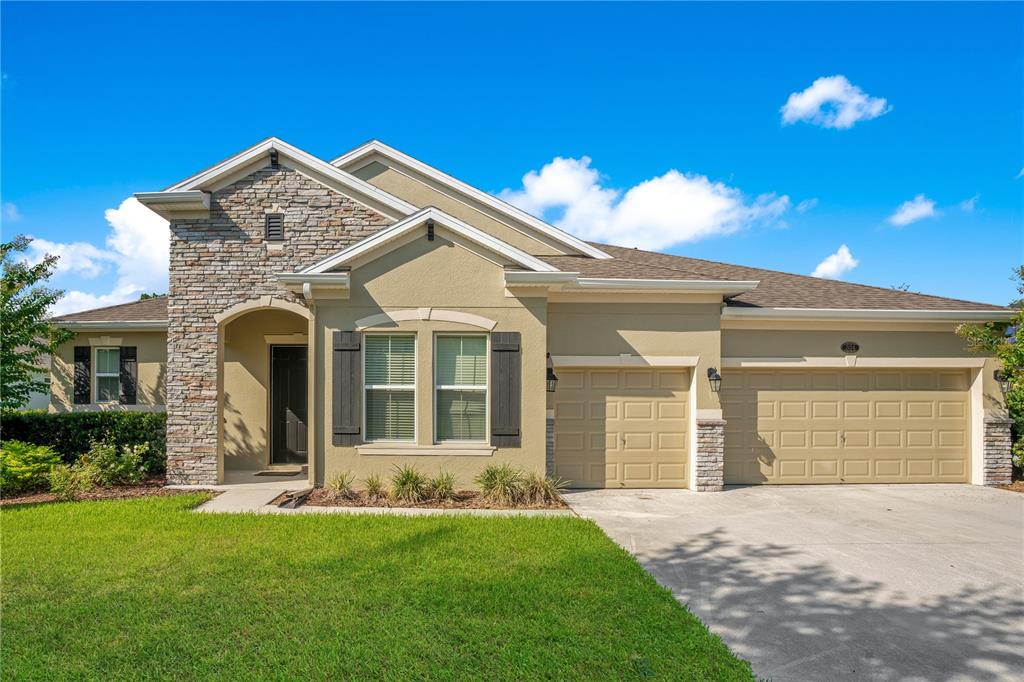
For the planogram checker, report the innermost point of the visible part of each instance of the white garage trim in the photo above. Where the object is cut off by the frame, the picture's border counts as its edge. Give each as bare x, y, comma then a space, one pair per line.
854, 361
977, 427
624, 360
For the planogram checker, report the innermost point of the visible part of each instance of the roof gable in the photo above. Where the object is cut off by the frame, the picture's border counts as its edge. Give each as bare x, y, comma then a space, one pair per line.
352, 160
192, 193
389, 238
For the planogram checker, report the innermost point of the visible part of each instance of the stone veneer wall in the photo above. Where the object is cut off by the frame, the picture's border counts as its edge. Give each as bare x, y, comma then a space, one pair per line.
710, 476
223, 260
998, 441
549, 443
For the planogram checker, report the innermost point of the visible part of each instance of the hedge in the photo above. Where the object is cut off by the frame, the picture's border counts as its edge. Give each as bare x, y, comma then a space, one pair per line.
70, 433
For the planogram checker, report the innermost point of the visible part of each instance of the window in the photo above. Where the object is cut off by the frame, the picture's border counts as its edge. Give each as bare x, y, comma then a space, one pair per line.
460, 379
108, 374
390, 376
275, 227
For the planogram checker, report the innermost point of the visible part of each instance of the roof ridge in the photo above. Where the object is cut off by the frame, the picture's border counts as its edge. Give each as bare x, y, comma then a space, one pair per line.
808, 278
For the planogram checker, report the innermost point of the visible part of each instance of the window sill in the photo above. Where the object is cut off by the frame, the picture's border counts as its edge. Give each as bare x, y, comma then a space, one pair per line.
444, 450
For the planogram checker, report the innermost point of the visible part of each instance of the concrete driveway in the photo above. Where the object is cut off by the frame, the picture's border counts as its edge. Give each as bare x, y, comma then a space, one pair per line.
907, 582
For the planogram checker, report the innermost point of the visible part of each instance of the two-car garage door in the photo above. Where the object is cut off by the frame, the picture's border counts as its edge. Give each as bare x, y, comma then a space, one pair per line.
846, 426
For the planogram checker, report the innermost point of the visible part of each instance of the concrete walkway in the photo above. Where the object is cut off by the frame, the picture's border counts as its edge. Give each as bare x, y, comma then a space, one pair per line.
910, 582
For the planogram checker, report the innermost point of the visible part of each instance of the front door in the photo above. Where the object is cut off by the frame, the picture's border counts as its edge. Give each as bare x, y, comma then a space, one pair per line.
288, 405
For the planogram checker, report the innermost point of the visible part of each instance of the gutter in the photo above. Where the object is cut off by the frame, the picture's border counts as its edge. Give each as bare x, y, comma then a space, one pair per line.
112, 325
734, 313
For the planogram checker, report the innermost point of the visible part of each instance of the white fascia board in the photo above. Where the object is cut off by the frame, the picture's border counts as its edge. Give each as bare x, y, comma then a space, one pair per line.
724, 287
169, 204
864, 314
336, 279
300, 157
377, 147
416, 220
514, 277
112, 325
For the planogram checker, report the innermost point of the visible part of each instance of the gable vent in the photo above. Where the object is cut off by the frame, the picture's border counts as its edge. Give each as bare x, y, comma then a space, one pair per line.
275, 227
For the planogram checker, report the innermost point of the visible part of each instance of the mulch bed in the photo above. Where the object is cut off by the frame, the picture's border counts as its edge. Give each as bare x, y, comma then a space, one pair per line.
1016, 486
464, 499
149, 488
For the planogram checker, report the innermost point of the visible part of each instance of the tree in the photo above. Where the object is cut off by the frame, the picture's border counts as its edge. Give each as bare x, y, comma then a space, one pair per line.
1005, 340
26, 336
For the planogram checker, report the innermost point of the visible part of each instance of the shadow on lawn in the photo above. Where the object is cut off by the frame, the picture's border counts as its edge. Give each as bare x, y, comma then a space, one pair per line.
756, 596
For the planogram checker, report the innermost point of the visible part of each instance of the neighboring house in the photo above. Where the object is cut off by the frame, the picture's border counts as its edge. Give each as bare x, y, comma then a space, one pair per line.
374, 311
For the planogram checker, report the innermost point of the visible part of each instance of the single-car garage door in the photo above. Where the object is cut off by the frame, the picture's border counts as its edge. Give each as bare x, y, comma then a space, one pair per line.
847, 426
621, 428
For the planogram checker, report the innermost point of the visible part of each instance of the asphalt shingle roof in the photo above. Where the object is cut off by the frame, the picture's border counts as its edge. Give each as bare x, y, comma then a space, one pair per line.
776, 289
147, 310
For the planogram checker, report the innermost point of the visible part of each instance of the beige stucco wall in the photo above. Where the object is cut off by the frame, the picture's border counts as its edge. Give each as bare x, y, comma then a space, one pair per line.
900, 341
421, 192
246, 381
438, 274
612, 328
151, 348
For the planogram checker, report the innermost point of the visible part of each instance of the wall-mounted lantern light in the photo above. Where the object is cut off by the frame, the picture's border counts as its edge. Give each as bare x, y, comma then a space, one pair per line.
550, 380
1003, 380
715, 379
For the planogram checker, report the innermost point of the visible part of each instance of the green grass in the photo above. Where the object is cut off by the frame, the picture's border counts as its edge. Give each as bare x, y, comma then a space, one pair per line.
144, 589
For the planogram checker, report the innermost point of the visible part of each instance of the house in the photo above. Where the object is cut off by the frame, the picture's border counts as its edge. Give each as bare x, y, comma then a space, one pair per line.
374, 311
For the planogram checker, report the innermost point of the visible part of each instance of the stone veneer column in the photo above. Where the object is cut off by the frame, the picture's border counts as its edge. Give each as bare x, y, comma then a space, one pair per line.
998, 441
710, 476
549, 444
223, 260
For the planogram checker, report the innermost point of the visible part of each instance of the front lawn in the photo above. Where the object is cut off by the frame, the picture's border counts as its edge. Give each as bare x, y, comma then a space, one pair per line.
143, 589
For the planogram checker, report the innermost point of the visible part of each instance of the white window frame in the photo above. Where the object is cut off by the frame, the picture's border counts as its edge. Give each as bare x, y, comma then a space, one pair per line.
96, 374
462, 387
392, 387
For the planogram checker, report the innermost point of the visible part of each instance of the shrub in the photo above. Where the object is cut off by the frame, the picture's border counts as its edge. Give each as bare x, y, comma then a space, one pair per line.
341, 484
72, 433
539, 489
107, 465
408, 484
441, 487
24, 466
376, 489
67, 482
501, 484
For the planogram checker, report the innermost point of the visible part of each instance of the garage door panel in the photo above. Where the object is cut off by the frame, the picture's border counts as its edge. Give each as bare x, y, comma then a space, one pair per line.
860, 426
636, 432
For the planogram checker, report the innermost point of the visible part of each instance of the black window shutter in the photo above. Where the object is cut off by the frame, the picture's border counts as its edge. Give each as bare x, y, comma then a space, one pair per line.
347, 380
275, 227
506, 389
83, 375
129, 375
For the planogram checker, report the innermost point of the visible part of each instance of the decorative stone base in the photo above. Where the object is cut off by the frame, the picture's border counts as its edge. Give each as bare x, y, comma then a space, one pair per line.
710, 469
998, 466
549, 444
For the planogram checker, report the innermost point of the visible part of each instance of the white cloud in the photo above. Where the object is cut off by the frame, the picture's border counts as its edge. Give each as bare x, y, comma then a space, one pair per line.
968, 205
654, 214
79, 258
833, 102
836, 265
806, 205
1021, 174
138, 247
918, 208
11, 212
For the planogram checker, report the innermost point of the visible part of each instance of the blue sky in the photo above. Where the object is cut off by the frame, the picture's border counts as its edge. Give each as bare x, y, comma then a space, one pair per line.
100, 101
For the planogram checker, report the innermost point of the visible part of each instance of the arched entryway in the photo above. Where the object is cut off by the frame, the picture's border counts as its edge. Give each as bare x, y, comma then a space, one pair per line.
263, 377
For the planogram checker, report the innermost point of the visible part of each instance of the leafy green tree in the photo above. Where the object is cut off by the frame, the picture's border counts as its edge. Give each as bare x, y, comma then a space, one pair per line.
1005, 340
26, 336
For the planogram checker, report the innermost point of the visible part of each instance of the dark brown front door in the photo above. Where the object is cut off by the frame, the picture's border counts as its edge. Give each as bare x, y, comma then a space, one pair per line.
288, 405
